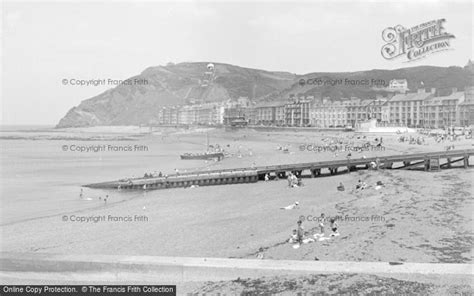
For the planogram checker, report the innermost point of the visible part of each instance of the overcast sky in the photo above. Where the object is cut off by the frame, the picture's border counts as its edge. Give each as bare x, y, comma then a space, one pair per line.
44, 43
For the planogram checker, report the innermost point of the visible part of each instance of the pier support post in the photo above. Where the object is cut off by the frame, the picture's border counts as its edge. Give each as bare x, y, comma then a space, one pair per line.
427, 164
315, 172
448, 165
466, 161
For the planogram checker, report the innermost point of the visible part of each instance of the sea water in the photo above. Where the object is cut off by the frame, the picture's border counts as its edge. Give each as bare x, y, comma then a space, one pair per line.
40, 175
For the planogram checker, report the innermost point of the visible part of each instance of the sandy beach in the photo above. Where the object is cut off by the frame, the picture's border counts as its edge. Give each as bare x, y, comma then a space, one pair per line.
415, 217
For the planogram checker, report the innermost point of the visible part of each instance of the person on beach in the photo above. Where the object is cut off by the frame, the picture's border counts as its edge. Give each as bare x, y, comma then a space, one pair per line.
333, 226
307, 239
299, 182
294, 236
321, 224
294, 180
341, 187
260, 253
300, 232
291, 207
81, 194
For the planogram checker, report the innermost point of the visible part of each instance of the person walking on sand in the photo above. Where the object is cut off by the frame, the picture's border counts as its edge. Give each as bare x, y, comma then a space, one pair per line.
81, 194
321, 223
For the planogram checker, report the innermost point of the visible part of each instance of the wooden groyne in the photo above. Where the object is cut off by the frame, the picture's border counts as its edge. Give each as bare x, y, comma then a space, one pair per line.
431, 161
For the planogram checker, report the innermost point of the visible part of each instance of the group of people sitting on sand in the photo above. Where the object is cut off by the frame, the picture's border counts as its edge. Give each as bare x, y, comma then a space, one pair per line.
300, 236
285, 149
412, 140
294, 181
363, 185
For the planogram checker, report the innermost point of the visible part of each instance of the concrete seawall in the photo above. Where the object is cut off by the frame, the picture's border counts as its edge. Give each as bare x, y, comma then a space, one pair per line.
190, 269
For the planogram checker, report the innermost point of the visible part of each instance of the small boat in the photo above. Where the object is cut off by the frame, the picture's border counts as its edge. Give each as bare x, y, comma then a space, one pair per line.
214, 153
205, 155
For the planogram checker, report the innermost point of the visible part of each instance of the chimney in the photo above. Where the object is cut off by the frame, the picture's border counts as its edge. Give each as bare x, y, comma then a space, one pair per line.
433, 91
454, 90
421, 90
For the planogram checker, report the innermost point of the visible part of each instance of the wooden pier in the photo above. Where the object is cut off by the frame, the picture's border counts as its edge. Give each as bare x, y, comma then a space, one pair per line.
431, 161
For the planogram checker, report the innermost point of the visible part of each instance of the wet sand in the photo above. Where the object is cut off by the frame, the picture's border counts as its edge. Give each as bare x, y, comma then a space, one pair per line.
426, 215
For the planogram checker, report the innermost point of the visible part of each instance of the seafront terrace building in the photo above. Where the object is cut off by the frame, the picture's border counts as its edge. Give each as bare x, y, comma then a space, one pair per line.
270, 113
466, 108
187, 115
328, 114
357, 111
168, 115
209, 114
444, 111
297, 112
405, 109
206, 114
375, 110
240, 109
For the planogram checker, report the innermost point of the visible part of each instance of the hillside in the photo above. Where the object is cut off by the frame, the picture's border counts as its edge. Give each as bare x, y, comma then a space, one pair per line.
441, 78
176, 84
